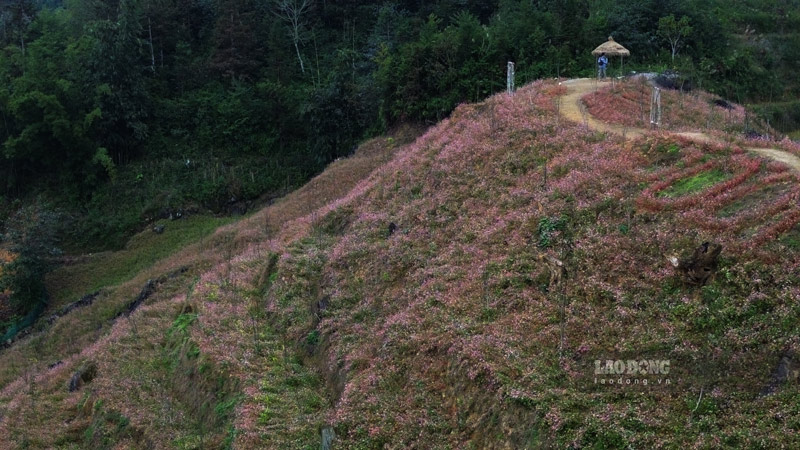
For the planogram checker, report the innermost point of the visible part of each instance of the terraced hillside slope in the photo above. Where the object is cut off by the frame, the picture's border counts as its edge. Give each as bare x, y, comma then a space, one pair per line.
458, 296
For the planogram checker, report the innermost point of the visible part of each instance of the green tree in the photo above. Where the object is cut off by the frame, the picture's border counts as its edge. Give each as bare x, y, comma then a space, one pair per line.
112, 63
29, 235
16, 17
49, 125
237, 53
674, 31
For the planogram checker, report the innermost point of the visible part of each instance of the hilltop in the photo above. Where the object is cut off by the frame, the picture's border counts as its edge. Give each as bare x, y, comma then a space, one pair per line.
452, 291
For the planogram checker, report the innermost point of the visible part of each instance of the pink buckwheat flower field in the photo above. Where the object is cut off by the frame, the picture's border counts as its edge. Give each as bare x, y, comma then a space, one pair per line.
524, 248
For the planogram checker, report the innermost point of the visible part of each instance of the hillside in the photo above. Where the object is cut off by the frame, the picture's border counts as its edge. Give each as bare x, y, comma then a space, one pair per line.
117, 113
450, 292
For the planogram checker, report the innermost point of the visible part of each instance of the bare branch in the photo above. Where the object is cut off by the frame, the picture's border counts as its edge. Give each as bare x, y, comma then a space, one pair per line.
293, 13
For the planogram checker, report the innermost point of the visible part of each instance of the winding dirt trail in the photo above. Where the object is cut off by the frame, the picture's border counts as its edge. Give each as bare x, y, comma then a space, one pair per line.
573, 109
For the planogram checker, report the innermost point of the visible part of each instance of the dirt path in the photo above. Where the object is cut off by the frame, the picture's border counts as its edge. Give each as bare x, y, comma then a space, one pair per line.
573, 109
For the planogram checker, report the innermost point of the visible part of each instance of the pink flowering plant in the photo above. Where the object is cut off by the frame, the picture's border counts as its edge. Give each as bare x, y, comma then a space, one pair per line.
628, 103
455, 292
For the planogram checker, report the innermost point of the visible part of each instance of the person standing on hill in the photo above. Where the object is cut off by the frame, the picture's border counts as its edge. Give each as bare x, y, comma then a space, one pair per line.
602, 63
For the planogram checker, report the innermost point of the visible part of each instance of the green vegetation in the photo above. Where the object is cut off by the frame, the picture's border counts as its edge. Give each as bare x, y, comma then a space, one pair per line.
121, 111
783, 116
548, 226
674, 31
108, 426
792, 238
69, 282
694, 184
206, 391
30, 234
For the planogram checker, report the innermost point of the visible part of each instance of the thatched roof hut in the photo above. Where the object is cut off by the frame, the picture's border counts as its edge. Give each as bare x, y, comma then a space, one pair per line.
611, 48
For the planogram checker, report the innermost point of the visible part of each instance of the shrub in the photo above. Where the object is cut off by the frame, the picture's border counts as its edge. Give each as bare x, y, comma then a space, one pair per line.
548, 226
29, 236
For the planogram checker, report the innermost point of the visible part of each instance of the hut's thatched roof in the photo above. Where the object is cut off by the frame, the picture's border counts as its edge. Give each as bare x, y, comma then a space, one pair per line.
611, 48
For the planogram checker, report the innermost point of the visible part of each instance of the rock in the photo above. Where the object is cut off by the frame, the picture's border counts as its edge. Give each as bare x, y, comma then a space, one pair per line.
55, 364
322, 305
75, 382
328, 436
145, 293
787, 370
186, 308
86, 300
698, 268
148, 290
752, 134
674, 81
723, 103
319, 307
648, 76
84, 375
174, 274
158, 229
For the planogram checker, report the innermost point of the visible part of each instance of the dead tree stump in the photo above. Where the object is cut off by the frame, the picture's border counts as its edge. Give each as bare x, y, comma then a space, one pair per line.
699, 267
557, 270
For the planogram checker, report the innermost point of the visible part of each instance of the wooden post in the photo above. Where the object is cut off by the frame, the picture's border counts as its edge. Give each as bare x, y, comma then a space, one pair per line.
510, 88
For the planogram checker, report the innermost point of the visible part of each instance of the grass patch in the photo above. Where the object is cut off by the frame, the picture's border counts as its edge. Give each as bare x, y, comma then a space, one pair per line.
67, 283
204, 389
335, 222
694, 184
792, 238
107, 428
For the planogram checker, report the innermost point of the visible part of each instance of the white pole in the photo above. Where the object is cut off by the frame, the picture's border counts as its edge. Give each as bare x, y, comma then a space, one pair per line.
655, 108
510, 88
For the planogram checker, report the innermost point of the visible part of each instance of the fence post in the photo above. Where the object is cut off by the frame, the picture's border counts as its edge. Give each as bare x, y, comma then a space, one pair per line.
510, 88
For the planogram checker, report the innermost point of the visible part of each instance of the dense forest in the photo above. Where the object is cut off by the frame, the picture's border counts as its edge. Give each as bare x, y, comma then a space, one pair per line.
117, 112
